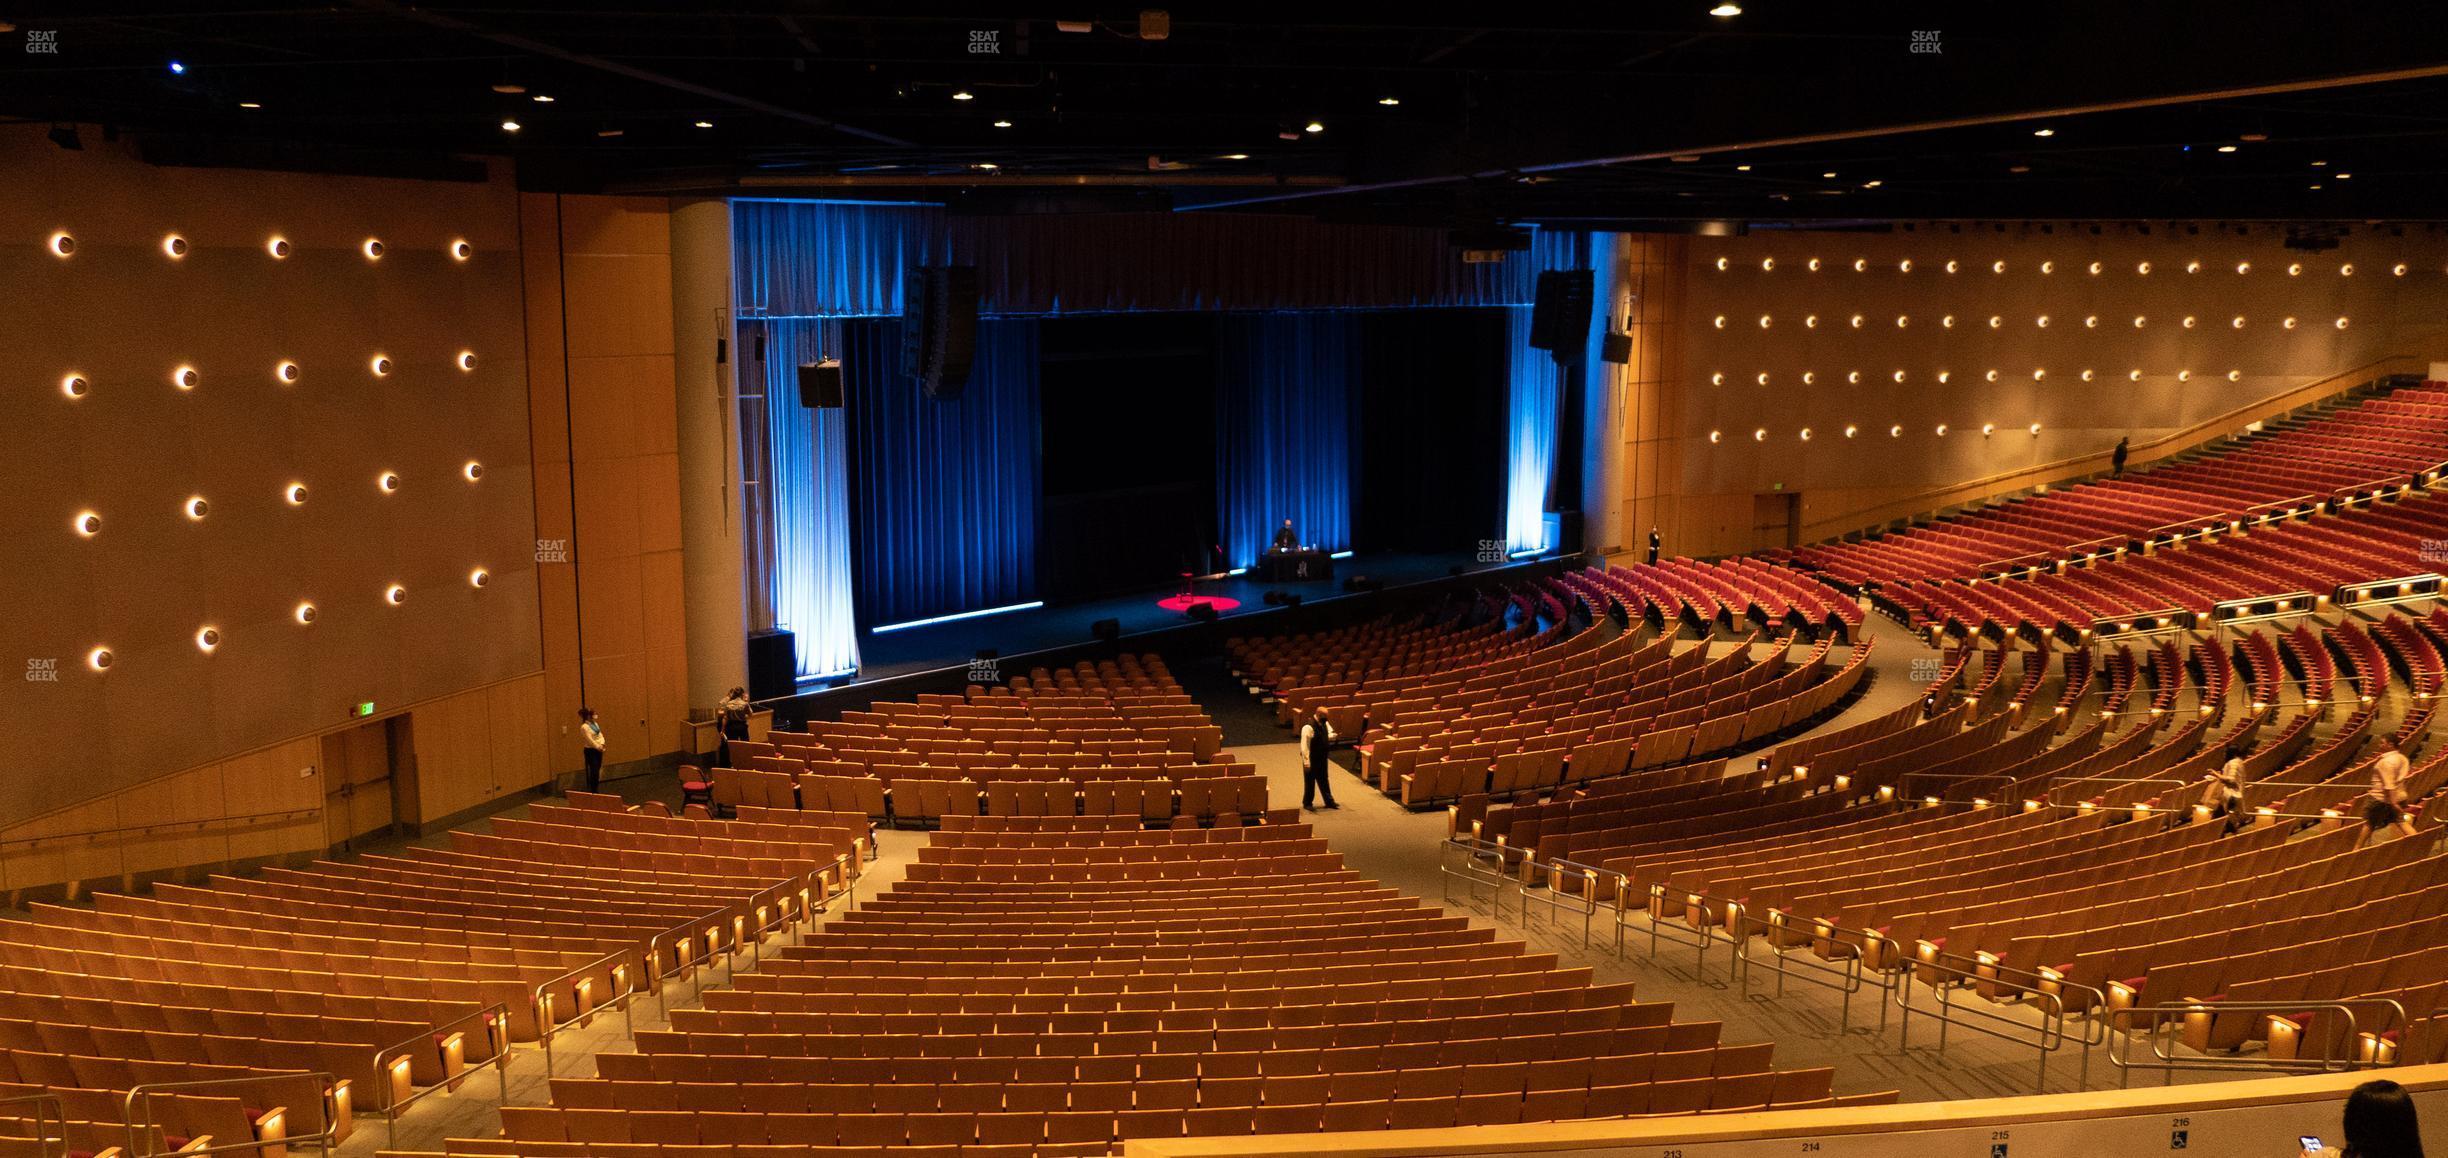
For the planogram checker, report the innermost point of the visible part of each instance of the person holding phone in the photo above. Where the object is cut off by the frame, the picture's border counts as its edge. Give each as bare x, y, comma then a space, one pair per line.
2379, 1122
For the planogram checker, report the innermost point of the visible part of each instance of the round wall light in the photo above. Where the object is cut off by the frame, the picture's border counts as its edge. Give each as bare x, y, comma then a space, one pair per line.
467, 361
296, 494
185, 378
381, 366
461, 251
479, 577
388, 482
304, 614
197, 508
395, 594
87, 524
473, 471
207, 638
1896, 431
1716, 436
277, 246
175, 246
62, 245
286, 371
372, 249
98, 659
74, 386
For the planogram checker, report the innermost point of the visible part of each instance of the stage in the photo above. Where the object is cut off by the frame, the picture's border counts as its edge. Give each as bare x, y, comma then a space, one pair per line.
943, 648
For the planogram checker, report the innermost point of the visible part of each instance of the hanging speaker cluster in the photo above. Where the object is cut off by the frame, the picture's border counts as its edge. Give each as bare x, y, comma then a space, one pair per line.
939, 315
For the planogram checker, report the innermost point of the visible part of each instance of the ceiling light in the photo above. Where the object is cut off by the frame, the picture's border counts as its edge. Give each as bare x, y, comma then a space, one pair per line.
2018, 168
2318, 164
1742, 168
509, 89
177, 69
1830, 174
1315, 127
249, 105
1389, 102
705, 124
1729, 8
964, 95
1002, 124
1236, 156
2345, 176
1684, 158
2226, 148
2252, 136
2044, 132
608, 134
1872, 184
509, 126
988, 166
541, 99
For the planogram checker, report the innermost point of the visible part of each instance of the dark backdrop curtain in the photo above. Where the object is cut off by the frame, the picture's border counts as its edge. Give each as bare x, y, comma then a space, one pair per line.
1433, 408
1283, 424
943, 492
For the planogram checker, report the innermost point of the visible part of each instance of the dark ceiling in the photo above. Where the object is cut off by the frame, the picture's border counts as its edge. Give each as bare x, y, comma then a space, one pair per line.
1638, 114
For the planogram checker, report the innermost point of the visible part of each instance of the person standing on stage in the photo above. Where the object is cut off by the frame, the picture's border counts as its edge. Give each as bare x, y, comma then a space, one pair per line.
1316, 737
1655, 541
1285, 540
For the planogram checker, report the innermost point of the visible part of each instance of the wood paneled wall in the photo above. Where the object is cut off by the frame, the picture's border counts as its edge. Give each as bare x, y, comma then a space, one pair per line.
603, 417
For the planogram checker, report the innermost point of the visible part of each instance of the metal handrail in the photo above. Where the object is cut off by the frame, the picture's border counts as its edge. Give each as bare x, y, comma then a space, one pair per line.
2046, 988
48, 1110
613, 965
1584, 899
138, 1112
677, 938
1475, 854
389, 1058
149, 829
2167, 1063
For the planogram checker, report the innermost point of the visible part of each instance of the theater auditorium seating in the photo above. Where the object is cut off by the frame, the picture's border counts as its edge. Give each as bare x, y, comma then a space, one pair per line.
1118, 738
1055, 986
394, 974
2381, 444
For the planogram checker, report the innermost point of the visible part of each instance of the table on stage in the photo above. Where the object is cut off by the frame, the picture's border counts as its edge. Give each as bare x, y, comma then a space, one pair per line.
1294, 566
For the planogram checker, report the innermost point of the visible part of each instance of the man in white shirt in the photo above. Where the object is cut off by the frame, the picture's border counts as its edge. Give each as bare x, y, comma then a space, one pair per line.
593, 734
1316, 737
2385, 809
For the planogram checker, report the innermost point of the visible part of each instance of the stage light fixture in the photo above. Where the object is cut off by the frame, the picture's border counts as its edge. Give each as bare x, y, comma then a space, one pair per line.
1228, 157
1388, 101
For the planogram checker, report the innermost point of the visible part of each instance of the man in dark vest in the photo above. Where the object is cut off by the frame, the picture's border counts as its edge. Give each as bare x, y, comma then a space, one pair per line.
1655, 541
1316, 737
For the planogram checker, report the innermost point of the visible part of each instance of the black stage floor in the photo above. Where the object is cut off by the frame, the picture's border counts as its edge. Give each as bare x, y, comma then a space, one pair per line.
1016, 634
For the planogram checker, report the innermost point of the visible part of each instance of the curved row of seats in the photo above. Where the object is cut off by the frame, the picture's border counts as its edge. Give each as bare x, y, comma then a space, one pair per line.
1055, 986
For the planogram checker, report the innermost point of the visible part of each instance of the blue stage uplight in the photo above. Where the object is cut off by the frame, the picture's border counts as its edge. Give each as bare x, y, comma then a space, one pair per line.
177, 69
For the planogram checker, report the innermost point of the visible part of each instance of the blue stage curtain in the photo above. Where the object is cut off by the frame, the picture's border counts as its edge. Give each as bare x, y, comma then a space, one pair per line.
845, 259
833, 259
1283, 420
1535, 394
944, 492
809, 490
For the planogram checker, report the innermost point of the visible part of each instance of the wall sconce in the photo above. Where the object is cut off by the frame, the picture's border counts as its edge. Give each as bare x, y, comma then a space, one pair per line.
373, 249
185, 377
473, 470
479, 577
286, 371
395, 594
175, 246
296, 494
467, 360
207, 638
277, 246
87, 524
461, 251
304, 614
380, 365
99, 659
62, 245
197, 508
74, 385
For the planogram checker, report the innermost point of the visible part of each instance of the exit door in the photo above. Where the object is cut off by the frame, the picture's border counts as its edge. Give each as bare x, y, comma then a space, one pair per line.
364, 771
1776, 520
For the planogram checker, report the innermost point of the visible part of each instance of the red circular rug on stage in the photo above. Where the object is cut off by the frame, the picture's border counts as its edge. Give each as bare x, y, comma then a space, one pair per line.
1186, 602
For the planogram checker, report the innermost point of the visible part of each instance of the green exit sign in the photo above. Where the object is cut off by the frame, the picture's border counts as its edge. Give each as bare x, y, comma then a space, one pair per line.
364, 709
1776, 486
